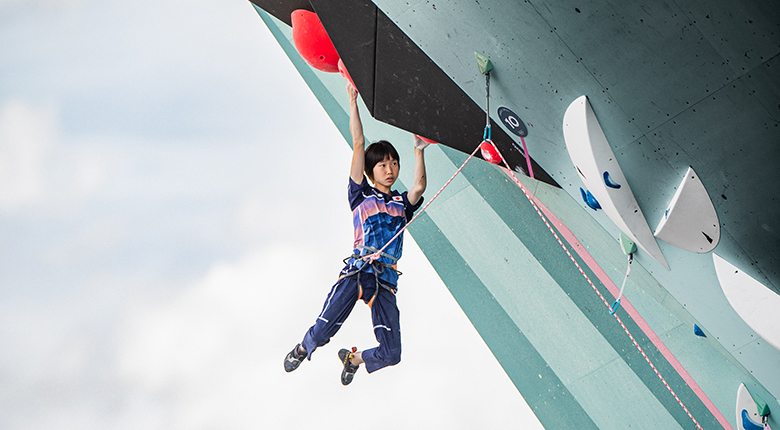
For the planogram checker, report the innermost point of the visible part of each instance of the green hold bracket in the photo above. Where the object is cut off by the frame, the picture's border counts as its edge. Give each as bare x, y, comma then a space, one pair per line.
763, 409
628, 245
484, 64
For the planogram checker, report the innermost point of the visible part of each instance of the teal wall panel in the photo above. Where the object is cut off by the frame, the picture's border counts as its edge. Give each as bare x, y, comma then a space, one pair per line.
644, 411
507, 200
672, 83
547, 396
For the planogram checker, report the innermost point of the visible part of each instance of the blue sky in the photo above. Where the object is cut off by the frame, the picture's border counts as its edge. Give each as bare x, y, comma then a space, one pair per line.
169, 228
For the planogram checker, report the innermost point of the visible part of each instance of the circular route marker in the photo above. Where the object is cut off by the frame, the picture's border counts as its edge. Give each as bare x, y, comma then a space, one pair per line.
512, 121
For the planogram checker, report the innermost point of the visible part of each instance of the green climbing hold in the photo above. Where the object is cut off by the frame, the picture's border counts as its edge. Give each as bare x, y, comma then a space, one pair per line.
628, 245
763, 409
484, 64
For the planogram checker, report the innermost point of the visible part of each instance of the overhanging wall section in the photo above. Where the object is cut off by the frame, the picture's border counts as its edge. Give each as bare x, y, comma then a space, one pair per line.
544, 324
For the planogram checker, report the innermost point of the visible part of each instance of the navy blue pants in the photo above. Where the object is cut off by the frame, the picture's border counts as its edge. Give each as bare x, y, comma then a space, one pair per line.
384, 314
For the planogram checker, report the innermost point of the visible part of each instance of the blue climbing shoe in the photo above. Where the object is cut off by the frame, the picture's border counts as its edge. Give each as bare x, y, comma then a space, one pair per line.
294, 358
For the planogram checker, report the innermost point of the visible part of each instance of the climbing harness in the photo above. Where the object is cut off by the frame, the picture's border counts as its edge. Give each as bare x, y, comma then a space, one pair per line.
485, 67
372, 259
374, 256
360, 261
615, 305
377, 254
378, 267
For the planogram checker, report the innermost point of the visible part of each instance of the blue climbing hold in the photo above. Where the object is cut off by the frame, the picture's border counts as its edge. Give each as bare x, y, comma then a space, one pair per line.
697, 331
749, 424
590, 200
609, 182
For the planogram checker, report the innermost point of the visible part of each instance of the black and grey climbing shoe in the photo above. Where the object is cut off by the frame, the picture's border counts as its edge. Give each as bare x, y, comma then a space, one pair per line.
349, 370
294, 358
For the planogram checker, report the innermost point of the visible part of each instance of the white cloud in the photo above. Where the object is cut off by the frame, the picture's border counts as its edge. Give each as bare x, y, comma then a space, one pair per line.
213, 356
208, 352
189, 334
36, 168
91, 242
26, 138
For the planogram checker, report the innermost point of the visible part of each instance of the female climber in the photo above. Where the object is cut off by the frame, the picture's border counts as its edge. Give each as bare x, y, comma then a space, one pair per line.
379, 213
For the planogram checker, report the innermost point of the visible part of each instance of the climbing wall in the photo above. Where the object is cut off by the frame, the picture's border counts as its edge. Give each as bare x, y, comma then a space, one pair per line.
373, 47
674, 85
574, 363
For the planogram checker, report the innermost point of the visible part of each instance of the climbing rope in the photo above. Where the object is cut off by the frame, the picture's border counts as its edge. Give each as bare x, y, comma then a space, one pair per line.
373, 258
487, 138
617, 317
376, 255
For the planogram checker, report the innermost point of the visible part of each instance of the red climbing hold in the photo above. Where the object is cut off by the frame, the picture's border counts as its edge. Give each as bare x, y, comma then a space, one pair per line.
428, 140
489, 152
345, 73
312, 41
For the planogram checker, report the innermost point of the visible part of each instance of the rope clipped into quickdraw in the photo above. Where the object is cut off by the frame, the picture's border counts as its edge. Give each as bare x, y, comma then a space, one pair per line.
620, 321
486, 137
376, 255
373, 258
486, 66
615, 305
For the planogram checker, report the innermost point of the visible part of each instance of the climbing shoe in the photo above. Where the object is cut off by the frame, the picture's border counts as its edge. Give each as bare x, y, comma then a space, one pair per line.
294, 358
348, 373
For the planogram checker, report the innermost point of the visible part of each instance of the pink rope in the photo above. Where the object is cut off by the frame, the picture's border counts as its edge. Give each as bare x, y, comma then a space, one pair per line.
374, 256
641, 351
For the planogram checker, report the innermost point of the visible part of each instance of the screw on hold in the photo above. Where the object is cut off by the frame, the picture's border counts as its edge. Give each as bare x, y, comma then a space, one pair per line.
484, 64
